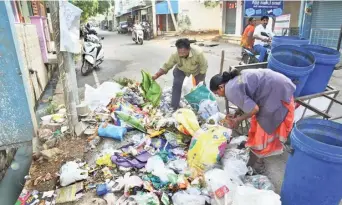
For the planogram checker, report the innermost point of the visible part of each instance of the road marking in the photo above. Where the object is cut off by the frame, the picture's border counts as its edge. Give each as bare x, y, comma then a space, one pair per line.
97, 82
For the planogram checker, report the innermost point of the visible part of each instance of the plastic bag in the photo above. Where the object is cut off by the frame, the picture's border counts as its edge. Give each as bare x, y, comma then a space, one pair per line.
151, 89
112, 131
199, 94
156, 166
188, 85
131, 182
145, 199
236, 141
100, 96
183, 198
178, 165
187, 121
69, 22
234, 153
235, 169
245, 195
208, 108
221, 186
130, 120
259, 182
208, 148
70, 173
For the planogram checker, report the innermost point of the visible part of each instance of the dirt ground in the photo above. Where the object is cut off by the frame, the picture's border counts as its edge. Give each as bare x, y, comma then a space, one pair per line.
43, 173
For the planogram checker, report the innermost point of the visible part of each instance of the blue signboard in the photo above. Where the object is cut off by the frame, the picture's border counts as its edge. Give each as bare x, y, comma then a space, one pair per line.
263, 8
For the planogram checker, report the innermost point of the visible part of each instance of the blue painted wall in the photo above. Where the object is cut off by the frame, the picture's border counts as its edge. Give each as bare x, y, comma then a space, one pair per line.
163, 8
15, 119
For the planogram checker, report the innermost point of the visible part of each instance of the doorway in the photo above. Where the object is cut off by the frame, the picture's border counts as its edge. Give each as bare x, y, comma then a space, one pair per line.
230, 21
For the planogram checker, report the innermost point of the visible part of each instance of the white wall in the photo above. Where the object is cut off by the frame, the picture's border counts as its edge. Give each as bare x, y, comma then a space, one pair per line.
201, 18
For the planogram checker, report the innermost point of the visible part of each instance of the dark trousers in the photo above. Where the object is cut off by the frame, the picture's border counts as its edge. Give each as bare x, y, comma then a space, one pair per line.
178, 79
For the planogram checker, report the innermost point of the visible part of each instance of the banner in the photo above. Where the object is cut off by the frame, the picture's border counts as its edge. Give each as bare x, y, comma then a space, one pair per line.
70, 17
263, 8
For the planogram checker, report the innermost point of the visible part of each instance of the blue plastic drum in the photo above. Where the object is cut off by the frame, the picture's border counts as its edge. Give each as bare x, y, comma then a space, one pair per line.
313, 174
294, 62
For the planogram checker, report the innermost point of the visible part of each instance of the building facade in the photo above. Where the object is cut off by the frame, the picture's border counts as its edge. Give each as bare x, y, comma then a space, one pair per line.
235, 17
322, 22
132, 10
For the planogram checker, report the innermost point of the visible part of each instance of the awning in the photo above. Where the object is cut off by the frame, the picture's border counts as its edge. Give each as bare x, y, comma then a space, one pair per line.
163, 8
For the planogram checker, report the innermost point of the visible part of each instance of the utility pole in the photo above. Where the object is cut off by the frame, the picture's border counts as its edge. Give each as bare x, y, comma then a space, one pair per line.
154, 18
66, 68
172, 16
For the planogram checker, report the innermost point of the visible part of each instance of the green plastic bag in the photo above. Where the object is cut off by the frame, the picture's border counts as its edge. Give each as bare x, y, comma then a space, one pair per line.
152, 90
200, 93
132, 121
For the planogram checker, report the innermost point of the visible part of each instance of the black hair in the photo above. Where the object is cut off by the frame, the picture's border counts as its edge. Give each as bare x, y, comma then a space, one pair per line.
250, 19
218, 79
183, 43
264, 17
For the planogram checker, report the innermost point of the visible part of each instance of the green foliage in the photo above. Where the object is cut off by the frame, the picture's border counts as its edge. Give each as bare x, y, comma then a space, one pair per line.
184, 22
211, 3
52, 108
89, 8
103, 7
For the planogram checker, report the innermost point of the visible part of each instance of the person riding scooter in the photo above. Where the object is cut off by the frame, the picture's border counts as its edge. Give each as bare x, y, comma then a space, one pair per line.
136, 26
262, 41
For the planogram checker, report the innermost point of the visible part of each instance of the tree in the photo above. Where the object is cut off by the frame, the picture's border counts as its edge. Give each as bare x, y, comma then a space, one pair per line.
103, 7
89, 8
211, 3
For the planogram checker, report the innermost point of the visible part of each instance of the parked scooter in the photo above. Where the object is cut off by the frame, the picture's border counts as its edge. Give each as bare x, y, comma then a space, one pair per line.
248, 57
138, 34
148, 34
92, 54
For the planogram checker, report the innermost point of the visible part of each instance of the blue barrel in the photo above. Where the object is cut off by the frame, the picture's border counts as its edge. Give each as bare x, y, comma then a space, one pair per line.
288, 40
313, 174
294, 62
326, 60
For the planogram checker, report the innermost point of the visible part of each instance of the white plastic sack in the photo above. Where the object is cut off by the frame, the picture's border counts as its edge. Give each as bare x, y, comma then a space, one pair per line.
259, 182
245, 195
208, 108
221, 186
101, 96
234, 153
237, 141
153, 163
70, 16
156, 166
183, 198
179, 165
187, 85
235, 169
70, 173
132, 181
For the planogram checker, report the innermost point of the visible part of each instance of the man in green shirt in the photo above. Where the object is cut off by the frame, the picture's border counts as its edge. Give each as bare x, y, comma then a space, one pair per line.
187, 61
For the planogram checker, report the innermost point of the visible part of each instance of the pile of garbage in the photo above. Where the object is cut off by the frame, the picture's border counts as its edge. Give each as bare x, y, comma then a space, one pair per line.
169, 157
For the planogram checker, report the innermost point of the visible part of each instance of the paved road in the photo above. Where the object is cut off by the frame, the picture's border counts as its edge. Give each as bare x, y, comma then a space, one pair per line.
124, 58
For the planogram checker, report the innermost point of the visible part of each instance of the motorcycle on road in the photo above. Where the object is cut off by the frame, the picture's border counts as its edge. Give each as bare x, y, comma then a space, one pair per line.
249, 57
138, 34
92, 54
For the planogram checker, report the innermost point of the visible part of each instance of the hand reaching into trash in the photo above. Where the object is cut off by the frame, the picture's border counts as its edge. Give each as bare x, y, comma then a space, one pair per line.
158, 74
231, 121
238, 112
